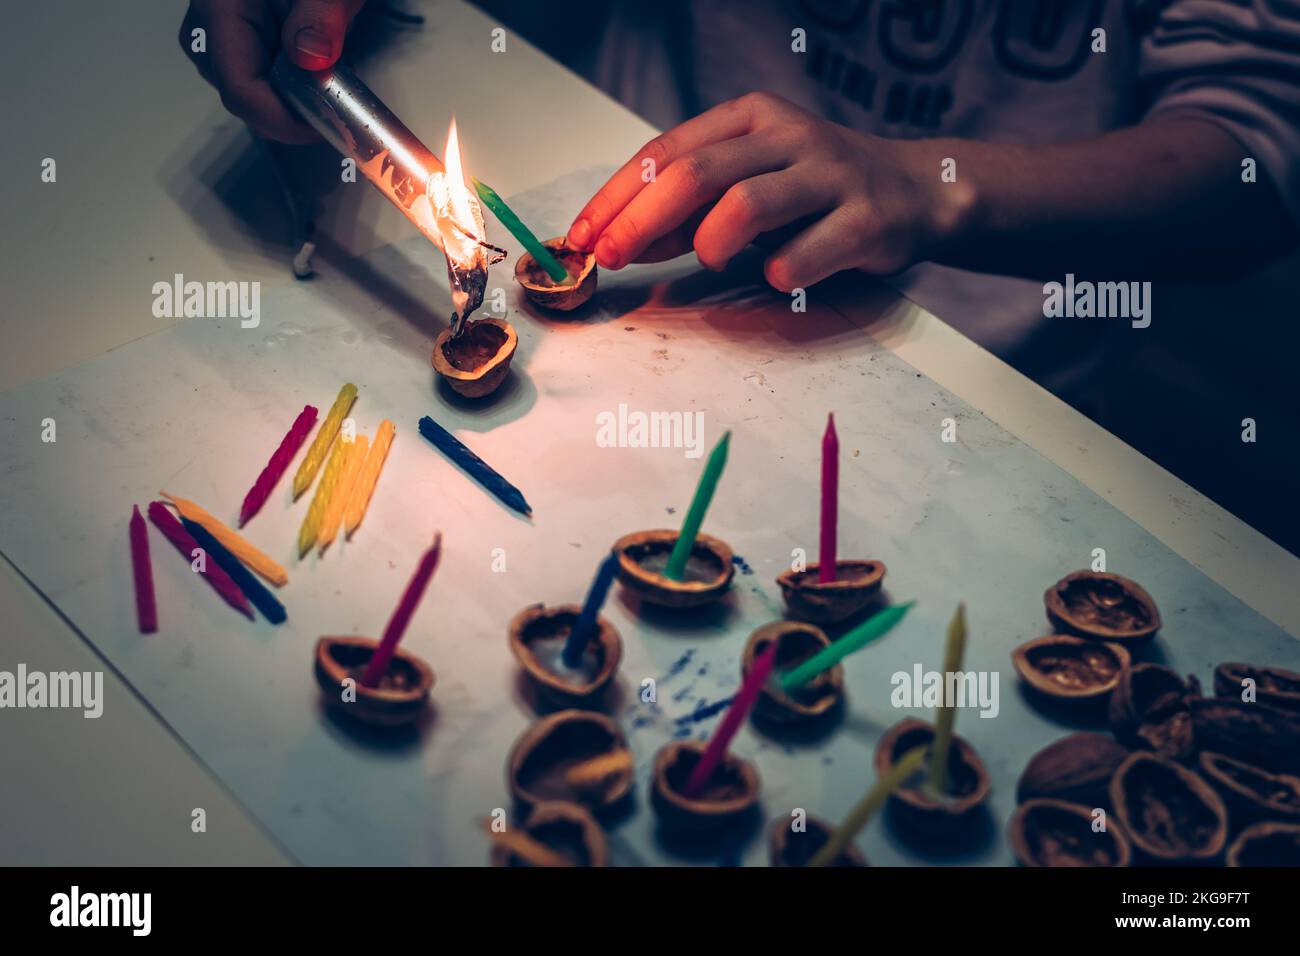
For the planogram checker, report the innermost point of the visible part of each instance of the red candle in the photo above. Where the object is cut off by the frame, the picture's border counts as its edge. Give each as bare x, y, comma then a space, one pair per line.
830, 500
212, 572
402, 615
736, 713
146, 609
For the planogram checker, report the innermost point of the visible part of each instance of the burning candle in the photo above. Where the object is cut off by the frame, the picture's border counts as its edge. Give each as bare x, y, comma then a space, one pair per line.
736, 714
676, 566
402, 615
554, 268
868, 806
954, 650
585, 626
830, 500
146, 608
856, 639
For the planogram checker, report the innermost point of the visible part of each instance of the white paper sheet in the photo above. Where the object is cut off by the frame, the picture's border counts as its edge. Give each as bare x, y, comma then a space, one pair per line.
197, 410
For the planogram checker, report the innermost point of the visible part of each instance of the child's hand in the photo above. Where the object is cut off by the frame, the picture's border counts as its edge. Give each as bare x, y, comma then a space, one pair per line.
757, 164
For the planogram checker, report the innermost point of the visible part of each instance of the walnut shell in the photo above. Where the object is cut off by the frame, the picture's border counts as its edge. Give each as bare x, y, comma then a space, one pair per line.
401, 696
564, 828
541, 291
1273, 685
1251, 793
1102, 606
1149, 710
1070, 669
856, 586
1266, 844
484, 378
1076, 768
1170, 815
1252, 733
1059, 833
788, 848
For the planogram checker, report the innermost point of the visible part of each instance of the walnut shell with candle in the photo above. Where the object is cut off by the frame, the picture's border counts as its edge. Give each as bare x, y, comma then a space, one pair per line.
538, 628
643, 555
401, 696
795, 643
914, 808
855, 588
543, 291
729, 796
790, 847
476, 362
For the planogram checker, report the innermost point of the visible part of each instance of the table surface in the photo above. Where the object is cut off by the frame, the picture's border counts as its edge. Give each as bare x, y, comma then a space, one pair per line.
180, 194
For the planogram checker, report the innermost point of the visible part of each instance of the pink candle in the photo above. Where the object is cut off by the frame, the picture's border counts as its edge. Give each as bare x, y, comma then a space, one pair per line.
146, 609
736, 713
275, 468
220, 581
830, 500
402, 615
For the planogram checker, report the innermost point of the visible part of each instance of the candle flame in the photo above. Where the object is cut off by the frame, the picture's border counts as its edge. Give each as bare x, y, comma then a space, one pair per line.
458, 215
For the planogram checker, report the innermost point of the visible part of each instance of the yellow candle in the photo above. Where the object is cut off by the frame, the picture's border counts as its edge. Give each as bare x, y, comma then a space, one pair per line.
324, 439
329, 526
954, 650
329, 481
364, 487
231, 540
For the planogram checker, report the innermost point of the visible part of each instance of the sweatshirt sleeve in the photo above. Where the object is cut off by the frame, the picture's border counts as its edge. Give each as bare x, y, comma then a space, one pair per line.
1235, 63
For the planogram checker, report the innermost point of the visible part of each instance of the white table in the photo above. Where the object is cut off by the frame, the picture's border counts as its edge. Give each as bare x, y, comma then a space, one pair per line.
106, 92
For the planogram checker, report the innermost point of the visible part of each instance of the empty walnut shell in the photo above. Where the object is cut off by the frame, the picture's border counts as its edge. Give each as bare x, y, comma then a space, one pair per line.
1273, 686
1076, 769
643, 555
537, 638
856, 586
1252, 733
788, 847
573, 755
795, 643
912, 805
729, 796
1266, 844
1170, 815
401, 696
1070, 669
1059, 833
1102, 606
563, 828
476, 362
1251, 793
541, 290
1149, 709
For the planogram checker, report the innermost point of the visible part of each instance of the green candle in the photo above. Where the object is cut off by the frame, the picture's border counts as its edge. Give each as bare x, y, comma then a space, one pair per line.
859, 816
952, 655
552, 265
856, 639
699, 504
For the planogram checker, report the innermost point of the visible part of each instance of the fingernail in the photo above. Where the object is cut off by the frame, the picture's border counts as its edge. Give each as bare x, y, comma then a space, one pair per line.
580, 235
312, 42
607, 253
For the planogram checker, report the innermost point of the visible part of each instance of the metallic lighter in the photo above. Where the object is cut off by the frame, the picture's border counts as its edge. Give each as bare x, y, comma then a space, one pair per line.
356, 122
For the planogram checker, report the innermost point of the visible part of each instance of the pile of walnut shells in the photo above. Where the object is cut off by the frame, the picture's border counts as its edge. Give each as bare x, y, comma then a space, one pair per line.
1182, 779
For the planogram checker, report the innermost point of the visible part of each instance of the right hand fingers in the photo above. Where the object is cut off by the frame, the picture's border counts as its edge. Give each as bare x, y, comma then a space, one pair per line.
723, 122
694, 180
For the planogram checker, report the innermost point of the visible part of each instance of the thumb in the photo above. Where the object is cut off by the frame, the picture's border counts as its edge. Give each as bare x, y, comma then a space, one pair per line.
313, 32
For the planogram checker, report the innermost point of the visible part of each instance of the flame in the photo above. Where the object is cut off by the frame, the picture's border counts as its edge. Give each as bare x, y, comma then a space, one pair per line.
459, 219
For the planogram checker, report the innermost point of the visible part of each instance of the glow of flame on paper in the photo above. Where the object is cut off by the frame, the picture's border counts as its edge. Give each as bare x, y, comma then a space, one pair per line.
458, 219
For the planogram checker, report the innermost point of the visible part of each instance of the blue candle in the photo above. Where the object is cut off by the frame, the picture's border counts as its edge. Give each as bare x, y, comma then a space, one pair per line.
585, 627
